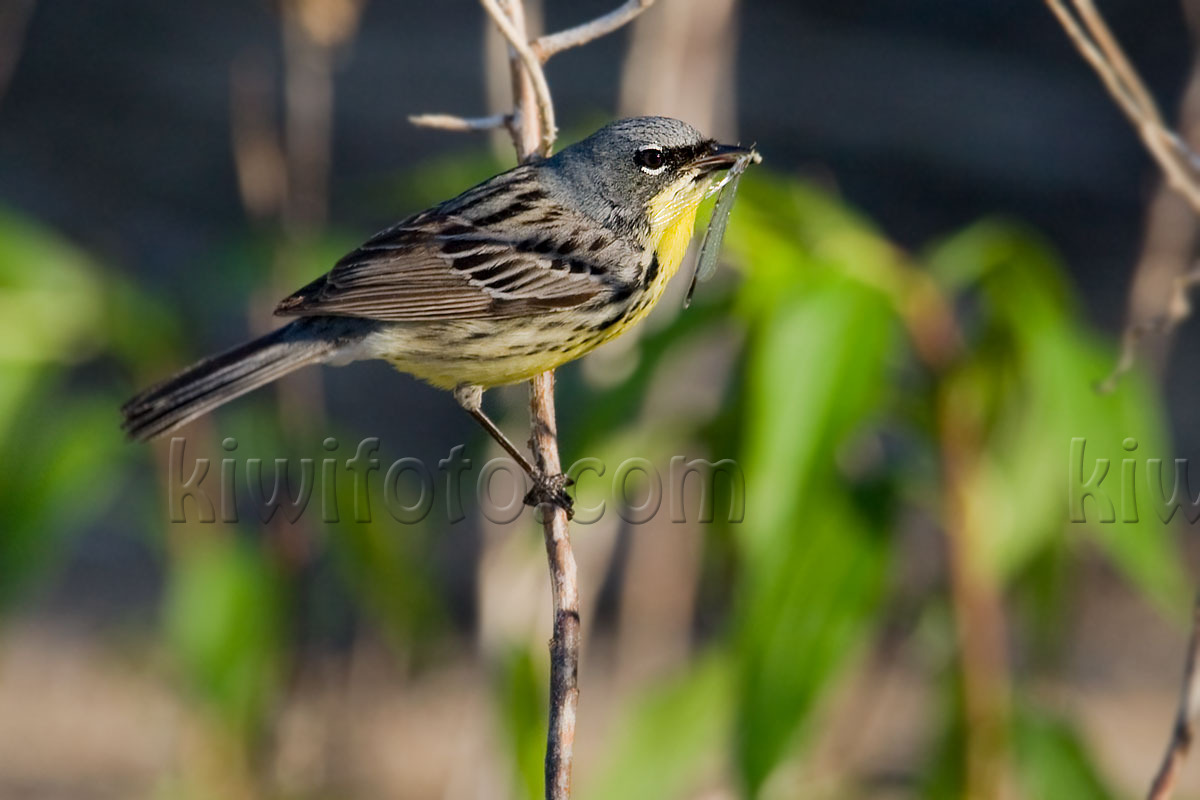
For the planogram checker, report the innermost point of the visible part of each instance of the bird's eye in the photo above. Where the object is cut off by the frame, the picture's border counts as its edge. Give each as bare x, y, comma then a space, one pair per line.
650, 159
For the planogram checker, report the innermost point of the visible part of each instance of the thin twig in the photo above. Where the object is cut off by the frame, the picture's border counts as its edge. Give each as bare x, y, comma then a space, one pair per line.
533, 70
528, 136
1180, 166
564, 588
449, 122
554, 43
1185, 718
1092, 54
543, 441
1116, 56
533, 130
1100, 49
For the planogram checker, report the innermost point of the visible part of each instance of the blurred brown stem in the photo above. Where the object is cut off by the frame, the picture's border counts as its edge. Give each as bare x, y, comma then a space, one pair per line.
975, 594
978, 612
1185, 718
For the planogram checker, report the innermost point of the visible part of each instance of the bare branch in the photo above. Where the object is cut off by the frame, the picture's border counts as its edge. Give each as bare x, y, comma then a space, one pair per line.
1179, 308
1100, 49
554, 43
1184, 150
1092, 54
1179, 164
533, 70
449, 122
1185, 718
567, 638
1116, 56
533, 130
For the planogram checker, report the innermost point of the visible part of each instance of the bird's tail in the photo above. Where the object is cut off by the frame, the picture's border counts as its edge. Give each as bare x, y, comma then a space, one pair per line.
219, 379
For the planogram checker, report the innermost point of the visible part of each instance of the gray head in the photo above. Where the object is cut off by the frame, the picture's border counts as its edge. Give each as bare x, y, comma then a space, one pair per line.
615, 174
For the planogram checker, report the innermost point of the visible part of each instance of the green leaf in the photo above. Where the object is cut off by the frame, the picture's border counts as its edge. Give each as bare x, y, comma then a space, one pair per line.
521, 691
224, 621
51, 302
60, 478
814, 564
386, 567
1052, 760
816, 371
1033, 368
665, 733
799, 624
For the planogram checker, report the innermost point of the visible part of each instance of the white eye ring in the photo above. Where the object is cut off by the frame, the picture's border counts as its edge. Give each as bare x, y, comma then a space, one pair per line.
650, 155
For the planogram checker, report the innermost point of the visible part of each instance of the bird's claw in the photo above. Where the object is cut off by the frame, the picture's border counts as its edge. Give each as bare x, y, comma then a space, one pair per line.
551, 490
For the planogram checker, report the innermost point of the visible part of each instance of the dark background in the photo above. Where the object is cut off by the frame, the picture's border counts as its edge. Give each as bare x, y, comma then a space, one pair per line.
926, 114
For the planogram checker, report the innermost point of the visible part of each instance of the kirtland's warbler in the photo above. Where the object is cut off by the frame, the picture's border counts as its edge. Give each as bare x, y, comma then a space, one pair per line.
524, 272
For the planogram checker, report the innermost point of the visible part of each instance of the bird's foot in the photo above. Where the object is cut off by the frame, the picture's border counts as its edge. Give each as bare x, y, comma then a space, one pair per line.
551, 490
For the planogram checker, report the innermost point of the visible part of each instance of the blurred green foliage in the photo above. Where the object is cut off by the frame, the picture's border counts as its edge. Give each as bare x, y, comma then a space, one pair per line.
830, 360
58, 309
224, 619
836, 408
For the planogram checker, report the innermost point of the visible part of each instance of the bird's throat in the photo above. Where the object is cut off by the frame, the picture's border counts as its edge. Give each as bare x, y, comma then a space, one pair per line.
672, 220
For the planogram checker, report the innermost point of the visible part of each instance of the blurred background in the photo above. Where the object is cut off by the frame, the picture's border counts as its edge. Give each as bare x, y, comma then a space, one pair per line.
923, 284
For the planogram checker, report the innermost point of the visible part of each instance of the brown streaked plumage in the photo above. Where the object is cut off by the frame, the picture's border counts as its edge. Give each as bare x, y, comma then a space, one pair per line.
526, 271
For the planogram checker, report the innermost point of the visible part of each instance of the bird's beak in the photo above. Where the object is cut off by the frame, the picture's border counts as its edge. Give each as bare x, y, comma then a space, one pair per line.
720, 156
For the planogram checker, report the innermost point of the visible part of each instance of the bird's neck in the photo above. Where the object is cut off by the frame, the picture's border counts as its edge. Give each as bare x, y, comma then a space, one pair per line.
672, 217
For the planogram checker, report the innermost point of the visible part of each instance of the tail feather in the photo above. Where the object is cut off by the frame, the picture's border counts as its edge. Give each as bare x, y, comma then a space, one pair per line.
219, 379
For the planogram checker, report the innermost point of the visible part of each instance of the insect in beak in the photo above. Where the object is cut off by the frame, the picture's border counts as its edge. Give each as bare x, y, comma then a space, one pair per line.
736, 161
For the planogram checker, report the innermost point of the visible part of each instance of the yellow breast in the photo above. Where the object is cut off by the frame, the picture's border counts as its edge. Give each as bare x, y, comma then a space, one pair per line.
672, 215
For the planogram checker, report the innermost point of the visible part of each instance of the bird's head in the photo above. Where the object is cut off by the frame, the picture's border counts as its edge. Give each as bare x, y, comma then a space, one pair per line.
643, 176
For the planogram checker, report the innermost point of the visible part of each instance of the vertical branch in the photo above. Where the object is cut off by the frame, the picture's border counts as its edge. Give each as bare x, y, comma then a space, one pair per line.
532, 138
565, 643
533, 131
527, 125
1181, 171
1171, 233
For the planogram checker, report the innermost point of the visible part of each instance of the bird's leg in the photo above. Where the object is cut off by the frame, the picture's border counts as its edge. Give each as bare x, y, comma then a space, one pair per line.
546, 488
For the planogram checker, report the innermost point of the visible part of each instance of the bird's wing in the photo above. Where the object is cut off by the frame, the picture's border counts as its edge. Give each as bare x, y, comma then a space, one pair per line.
443, 266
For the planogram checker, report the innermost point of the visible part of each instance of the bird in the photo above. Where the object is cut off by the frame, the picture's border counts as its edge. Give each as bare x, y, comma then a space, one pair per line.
520, 274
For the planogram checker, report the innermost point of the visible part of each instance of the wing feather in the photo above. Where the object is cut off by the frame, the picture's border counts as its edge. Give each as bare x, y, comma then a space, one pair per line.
443, 266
